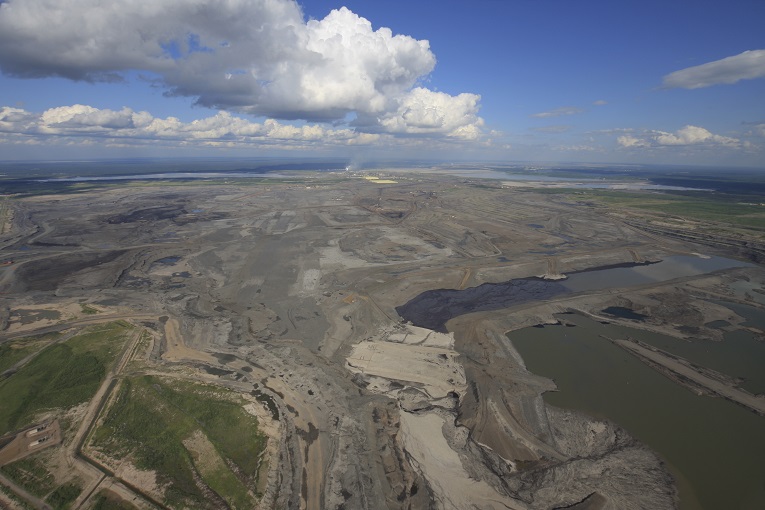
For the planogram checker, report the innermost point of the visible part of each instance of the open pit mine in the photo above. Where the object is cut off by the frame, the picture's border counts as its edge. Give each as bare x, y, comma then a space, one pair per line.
326, 341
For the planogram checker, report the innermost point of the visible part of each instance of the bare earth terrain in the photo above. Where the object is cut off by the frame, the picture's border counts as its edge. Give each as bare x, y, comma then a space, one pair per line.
289, 291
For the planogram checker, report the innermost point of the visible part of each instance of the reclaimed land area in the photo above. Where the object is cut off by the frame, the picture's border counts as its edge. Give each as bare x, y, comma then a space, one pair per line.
213, 344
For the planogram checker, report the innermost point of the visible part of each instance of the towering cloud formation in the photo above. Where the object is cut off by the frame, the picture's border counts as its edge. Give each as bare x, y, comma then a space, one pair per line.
249, 56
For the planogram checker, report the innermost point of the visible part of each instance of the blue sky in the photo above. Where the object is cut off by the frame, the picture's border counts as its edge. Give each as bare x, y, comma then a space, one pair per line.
680, 82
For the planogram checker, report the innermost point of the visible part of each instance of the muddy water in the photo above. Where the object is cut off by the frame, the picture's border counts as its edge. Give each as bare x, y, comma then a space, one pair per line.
434, 308
741, 354
715, 449
669, 268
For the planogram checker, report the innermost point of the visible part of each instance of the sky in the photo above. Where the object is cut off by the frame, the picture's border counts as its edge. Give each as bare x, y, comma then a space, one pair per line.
591, 81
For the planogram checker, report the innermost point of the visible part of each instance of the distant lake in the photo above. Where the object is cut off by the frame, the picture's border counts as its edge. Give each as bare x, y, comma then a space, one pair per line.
566, 182
170, 175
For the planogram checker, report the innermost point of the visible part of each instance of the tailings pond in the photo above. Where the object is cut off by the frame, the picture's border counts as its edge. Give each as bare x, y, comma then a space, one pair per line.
434, 308
714, 448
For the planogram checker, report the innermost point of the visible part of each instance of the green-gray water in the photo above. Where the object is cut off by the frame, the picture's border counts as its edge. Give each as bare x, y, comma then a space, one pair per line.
715, 449
740, 355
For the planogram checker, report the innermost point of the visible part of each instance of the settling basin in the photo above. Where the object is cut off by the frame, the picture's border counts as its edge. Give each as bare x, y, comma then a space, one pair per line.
713, 447
434, 308
741, 354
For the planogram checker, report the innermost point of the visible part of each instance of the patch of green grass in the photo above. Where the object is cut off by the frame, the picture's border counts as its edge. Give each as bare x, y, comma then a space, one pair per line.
106, 501
18, 502
61, 376
742, 214
151, 417
16, 350
88, 310
223, 481
64, 495
230, 428
141, 423
705, 207
31, 474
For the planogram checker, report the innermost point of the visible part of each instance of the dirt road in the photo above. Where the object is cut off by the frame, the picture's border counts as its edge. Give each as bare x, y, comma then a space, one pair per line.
683, 368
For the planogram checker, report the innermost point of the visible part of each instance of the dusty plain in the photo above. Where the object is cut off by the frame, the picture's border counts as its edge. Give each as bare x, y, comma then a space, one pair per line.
286, 292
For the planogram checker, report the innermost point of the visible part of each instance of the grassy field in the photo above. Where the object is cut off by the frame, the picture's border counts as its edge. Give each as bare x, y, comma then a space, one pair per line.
740, 211
16, 350
88, 310
32, 474
183, 429
61, 376
20, 503
107, 501
64, 495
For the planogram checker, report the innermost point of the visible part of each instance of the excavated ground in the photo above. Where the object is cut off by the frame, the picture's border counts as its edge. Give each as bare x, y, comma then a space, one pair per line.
295, 293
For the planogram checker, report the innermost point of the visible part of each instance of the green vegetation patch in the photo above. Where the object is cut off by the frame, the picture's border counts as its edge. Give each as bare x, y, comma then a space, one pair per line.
30, 473
87, 309
63, 497
737, 210
61, 376
105, 500
17, 501
168, 425
13, 351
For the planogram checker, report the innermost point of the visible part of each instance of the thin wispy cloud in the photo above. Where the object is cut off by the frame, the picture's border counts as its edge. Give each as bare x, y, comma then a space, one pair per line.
744, 66
552, 129
558, 112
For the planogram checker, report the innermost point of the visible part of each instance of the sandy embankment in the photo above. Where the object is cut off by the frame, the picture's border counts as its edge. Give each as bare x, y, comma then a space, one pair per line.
430, 453
176, 347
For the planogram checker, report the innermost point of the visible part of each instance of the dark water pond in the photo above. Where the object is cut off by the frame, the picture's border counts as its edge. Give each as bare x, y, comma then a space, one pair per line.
623, 313
30, 316
433, 309
168, 261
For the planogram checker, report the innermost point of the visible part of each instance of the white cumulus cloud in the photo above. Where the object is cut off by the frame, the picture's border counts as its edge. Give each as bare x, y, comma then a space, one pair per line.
259, 57
691, 135
423, 111
631, 141
744, 66
82, 124
86, 117
686, 136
